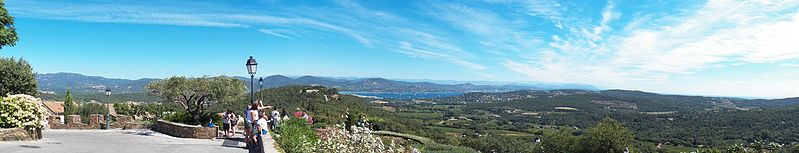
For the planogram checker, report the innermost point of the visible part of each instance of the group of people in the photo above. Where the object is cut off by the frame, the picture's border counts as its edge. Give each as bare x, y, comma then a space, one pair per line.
257, 123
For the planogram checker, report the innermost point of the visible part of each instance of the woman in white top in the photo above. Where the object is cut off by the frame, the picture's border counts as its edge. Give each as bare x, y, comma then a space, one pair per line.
253, 135
260, 131
275, 118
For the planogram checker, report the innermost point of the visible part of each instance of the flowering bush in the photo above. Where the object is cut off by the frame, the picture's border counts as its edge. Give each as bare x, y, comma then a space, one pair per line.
21, 111
296, 136
359, 139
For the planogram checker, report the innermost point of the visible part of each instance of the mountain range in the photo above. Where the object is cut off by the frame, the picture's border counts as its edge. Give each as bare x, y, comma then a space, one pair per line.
78, 83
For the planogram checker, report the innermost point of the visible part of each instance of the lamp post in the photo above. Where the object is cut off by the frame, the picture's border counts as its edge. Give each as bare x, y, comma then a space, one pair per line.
107, 111
251, 68
261, 83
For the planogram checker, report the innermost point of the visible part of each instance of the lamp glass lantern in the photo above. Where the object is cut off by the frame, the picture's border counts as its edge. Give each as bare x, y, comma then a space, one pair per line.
107, 92
251, 66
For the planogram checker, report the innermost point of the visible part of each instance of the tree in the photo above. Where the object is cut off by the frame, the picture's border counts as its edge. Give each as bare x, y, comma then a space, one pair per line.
17, 77
69, 105
195, 95
124, 109
561, 141
8, 34
608, 136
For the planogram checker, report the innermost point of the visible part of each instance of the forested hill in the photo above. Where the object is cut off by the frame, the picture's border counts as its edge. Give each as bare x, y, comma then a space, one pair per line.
82, 84
60, 82
620, 100
383, 85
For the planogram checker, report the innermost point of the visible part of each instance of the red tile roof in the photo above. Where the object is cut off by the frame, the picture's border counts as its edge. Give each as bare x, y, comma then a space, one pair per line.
55, 107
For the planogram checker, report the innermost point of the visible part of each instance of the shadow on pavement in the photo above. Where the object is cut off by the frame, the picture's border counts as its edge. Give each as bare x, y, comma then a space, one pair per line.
30, 146
141, 133
234, 143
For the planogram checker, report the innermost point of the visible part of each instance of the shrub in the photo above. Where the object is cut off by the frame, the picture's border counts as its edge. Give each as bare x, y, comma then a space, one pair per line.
442, 148
360, 139
179, 117
296, 136
17, 77
501, 144
87, 109
21, 111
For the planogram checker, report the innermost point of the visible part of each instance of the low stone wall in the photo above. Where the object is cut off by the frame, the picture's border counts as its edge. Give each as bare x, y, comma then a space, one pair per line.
17, 134
183, 130
96, 121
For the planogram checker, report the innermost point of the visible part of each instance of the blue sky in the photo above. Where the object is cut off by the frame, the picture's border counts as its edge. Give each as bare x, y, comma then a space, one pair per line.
716, 47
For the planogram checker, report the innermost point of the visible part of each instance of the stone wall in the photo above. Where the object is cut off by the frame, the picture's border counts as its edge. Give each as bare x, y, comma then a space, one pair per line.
183, 130
96, 121
17, 134
74, 122
127, 122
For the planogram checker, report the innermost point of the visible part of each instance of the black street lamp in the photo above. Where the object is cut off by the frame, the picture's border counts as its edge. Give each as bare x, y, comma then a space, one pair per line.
251, 68
261, 83
107, 111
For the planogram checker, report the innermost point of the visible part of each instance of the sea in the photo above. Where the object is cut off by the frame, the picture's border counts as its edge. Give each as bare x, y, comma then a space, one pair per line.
402, 95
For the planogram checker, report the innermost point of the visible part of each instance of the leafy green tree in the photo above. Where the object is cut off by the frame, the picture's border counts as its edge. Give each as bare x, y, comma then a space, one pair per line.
17, 77
608, 136
69, 105
124, 109
562, 141
196, 95
87, 109
8, 34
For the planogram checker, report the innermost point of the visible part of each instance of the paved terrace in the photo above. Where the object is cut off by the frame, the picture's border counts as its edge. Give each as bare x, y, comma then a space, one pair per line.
123, 141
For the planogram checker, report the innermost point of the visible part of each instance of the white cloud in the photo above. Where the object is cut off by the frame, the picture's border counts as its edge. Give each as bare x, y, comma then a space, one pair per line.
497, 34
550, 10
720, 31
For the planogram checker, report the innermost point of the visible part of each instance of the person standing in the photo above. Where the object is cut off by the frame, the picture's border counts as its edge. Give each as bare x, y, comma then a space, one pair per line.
234, 120
254, 136
263, 123
259, 132
247, 125
275, 119
226, 123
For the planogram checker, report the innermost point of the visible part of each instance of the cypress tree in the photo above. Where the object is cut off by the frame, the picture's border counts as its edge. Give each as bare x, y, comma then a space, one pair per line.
69, 105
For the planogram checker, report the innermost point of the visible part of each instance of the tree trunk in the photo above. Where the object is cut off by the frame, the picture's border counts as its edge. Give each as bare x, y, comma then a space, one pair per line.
195, 116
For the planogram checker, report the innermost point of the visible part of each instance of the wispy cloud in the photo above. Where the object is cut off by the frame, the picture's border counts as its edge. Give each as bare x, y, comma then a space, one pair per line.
169, 15
607, 43
494, 32
112, 13
719, 31
273, 33
417, 51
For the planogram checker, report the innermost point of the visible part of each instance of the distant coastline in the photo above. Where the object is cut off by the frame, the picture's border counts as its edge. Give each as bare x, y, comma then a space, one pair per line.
402, 95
